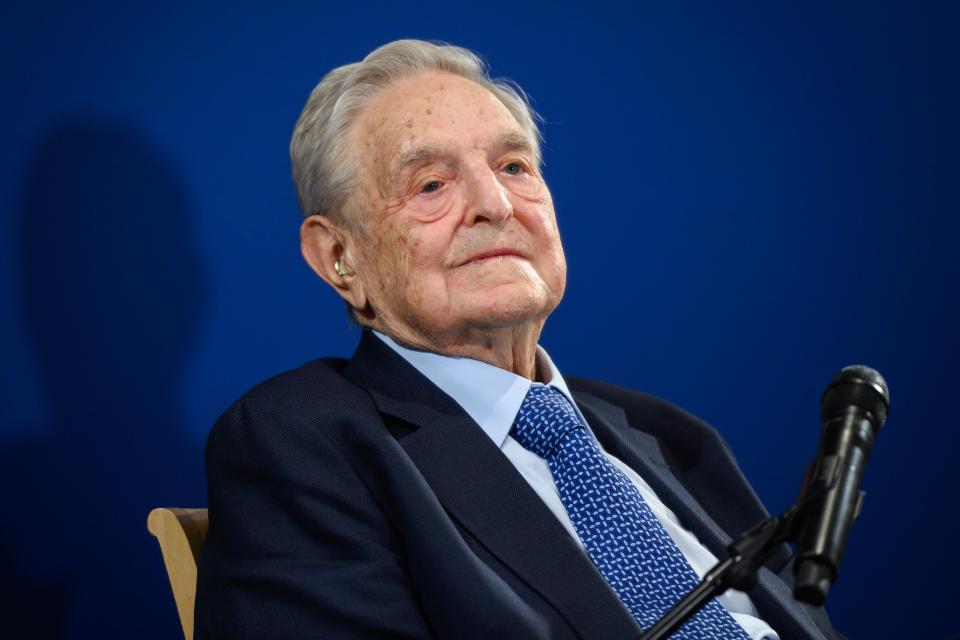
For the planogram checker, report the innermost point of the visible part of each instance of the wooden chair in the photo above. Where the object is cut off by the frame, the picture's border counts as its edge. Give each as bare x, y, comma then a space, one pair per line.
180, 533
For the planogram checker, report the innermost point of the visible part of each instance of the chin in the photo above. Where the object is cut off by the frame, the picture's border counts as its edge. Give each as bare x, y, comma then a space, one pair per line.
505, 308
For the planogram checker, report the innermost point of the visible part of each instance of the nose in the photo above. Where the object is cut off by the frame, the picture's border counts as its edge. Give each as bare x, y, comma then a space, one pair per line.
487, 198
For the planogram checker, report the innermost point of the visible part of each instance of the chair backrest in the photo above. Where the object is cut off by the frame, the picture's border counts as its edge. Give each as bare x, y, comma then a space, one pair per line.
180, 533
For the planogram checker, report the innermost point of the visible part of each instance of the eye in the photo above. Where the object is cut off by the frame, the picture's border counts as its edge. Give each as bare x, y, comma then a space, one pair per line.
514, 168
431, 186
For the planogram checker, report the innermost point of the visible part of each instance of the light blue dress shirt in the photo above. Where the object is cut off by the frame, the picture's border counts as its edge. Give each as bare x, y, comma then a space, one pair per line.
492, 397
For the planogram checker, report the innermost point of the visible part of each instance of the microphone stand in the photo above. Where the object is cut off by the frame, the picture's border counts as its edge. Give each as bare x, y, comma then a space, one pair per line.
738, 571
748, 553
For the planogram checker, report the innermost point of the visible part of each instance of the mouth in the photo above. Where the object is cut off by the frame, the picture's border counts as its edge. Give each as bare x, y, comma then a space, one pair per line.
492, 254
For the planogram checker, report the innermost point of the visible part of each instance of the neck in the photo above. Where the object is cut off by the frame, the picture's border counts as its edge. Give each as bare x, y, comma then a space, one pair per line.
512, 348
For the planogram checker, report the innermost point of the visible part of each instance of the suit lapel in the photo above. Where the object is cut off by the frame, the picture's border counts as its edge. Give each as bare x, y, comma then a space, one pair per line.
643, 453
486, 495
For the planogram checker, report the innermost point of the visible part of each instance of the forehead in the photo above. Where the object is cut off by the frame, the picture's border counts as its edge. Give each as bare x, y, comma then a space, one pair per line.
434, 109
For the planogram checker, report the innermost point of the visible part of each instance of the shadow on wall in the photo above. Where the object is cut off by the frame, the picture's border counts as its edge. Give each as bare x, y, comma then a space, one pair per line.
112, 293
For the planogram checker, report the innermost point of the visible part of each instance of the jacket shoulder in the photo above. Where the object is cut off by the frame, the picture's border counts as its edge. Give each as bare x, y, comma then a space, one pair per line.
293, 407
626, 397
320, 374
654, 415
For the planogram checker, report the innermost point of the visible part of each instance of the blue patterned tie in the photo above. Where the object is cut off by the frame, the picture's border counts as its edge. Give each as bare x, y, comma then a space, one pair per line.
623, 537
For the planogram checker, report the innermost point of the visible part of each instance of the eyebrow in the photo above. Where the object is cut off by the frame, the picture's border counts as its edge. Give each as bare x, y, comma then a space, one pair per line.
515, 142
427, 153
418, 156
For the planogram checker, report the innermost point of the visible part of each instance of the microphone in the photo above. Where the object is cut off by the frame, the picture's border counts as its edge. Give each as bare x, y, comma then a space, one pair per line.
852, 410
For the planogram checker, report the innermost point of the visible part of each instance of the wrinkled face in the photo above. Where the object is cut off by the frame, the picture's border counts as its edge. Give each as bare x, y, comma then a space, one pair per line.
459, 227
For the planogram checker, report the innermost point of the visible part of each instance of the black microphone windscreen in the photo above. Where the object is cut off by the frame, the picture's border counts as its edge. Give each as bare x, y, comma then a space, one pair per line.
860, 387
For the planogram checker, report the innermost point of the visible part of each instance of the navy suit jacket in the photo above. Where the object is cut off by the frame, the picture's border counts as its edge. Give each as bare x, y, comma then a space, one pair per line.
355, 499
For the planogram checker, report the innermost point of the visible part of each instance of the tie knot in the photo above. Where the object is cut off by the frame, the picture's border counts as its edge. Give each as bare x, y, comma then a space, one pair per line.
545, 416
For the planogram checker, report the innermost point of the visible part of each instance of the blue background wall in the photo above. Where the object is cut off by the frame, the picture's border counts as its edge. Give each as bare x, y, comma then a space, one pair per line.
757, 194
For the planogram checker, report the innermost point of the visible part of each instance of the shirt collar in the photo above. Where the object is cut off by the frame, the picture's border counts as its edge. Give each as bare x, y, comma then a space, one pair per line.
490, 395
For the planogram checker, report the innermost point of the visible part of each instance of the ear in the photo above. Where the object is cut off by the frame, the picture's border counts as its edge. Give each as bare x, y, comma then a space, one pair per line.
323, 243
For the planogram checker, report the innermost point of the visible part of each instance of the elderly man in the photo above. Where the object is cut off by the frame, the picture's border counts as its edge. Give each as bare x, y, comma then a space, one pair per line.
447, 481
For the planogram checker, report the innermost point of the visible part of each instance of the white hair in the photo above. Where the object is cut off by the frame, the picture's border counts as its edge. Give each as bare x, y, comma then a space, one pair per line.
324, 168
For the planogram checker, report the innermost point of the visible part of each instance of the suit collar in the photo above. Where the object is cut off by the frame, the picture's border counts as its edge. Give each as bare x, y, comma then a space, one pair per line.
642, 452
491, 396
397, 387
